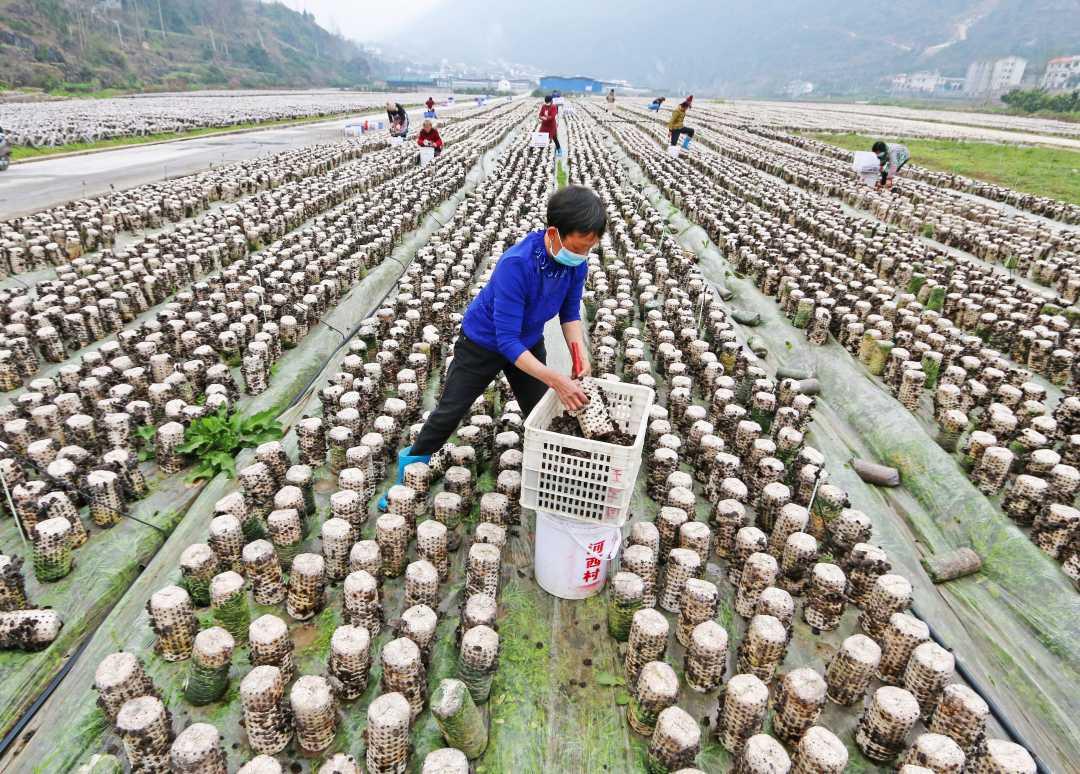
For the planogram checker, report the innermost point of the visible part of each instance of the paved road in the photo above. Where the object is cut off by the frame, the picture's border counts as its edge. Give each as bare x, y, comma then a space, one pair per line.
30, 187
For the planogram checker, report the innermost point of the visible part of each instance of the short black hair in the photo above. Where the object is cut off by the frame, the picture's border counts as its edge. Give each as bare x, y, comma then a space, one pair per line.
547, 98
879, 147
576, 209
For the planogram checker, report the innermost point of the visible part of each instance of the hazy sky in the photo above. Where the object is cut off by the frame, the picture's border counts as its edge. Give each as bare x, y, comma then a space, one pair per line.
733, 47
366, 20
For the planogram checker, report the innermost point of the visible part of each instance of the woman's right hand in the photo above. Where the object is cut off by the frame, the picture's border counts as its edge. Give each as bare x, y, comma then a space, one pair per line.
569, 390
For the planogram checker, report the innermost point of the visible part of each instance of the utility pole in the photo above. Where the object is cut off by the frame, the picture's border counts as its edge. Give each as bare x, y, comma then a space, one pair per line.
138, 20
119, 34
161, 19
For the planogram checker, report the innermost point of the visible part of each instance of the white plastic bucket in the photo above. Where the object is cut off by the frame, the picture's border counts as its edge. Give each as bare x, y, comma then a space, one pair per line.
396, 141
427, 155
867, 167
674, 151
571, 557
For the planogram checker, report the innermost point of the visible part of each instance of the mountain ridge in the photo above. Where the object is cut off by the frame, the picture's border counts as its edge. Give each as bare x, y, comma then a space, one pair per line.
88, 45
754, 48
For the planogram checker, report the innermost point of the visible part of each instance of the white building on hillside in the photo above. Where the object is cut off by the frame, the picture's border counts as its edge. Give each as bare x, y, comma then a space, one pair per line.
925, 81
1061, 72
977, 80
1008, 73
994, 77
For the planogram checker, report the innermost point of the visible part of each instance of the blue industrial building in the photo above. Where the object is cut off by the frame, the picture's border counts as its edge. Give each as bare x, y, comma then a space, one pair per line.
571, 84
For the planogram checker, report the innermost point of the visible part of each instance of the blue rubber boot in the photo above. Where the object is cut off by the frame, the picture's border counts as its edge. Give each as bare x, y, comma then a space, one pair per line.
404, 459
686, 142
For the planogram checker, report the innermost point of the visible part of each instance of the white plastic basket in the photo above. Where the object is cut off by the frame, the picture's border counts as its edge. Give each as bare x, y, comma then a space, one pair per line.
596, 485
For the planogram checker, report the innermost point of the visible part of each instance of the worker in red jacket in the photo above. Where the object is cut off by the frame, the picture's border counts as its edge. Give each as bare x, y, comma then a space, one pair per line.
429, 137
430, 105
548, 122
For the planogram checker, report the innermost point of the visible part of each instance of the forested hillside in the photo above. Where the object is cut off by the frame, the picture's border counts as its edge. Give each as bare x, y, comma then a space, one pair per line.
89, 45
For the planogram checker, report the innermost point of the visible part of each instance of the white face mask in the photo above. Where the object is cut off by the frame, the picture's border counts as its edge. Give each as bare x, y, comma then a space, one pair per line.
568, 257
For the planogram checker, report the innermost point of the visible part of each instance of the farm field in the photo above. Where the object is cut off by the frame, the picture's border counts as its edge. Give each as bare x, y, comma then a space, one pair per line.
207, 380
1042, 171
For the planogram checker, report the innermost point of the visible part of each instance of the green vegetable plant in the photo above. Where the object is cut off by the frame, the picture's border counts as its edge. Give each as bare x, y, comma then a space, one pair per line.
216, 439
148, 435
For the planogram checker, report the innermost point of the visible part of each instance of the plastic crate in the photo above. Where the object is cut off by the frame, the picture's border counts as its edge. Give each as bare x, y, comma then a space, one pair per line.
578, 478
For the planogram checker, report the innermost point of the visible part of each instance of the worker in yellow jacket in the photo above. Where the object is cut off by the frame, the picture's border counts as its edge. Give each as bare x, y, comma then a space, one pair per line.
675, 123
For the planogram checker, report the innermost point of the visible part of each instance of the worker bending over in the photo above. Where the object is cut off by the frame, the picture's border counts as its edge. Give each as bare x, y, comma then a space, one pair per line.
540, 277
398, 119
429, 137
891, 159
675, 123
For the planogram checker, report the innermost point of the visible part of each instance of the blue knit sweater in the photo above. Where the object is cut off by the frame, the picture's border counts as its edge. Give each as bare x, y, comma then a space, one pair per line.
527, 288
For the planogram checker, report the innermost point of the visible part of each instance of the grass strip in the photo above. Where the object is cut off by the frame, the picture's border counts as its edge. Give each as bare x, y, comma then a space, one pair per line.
1052, 172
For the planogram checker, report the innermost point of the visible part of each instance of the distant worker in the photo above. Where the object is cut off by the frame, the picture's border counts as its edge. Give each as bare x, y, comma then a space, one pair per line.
675, 123
655, 104
5, 151
429, 137
430, 105
549, 122
611, 100
892, 157
398, 119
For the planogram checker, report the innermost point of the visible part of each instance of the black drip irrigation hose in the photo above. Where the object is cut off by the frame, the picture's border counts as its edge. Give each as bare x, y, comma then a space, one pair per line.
66, 487
11, 736
998, 714
32, 710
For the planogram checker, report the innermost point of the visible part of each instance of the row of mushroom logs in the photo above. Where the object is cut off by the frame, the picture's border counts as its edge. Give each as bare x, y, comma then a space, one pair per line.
224, 281
909, 340
270, 515
62, 122
62, 234
76, 428
919, 669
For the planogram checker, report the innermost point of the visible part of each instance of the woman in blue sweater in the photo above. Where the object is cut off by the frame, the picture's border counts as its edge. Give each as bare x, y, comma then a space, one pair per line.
541, 276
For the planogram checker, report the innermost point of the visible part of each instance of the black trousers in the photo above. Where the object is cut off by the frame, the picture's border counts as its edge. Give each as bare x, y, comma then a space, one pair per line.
471, 371
682, 130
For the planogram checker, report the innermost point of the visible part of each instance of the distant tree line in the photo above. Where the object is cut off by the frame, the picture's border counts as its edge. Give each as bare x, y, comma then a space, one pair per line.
1037, 101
